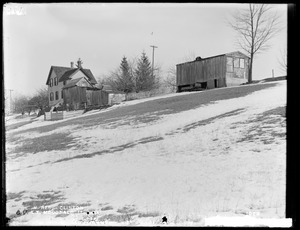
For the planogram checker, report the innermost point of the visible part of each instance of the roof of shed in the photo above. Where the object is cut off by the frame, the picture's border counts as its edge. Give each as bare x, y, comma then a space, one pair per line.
109, 89
72, 83
227, 54
64, 73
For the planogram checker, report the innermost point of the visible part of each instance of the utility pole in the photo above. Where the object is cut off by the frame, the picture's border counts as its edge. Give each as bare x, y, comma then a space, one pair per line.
153, 59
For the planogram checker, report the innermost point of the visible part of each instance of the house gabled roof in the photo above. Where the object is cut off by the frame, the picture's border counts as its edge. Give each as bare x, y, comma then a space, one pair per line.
64, 73
59, 71
68, 74
91, 77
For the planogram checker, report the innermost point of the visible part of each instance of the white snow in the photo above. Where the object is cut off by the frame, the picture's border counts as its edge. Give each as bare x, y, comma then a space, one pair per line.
187, 176
247, 221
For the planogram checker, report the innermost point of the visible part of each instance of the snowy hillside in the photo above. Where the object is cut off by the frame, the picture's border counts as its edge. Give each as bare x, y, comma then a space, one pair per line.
182, 159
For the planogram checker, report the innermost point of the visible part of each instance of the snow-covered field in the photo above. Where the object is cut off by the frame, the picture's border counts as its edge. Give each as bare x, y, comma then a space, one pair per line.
227, 159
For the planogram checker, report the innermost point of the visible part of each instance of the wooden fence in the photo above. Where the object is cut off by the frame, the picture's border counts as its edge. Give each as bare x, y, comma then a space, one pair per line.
54, 116
96, 97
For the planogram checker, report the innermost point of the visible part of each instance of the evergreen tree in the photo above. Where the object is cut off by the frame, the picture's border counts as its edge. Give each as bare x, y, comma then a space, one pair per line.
124, 79
145, 81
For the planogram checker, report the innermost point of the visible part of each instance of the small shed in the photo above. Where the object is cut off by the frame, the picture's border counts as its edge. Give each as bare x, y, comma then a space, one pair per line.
213, 72
114, 96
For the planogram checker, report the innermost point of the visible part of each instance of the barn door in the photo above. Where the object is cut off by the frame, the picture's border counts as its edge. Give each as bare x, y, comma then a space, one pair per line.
216, 83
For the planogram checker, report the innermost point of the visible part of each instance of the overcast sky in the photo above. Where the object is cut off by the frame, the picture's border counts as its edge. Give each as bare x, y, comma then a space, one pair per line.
37, 36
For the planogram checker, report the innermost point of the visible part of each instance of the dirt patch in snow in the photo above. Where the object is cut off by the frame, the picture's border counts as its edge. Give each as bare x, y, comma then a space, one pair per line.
127, 214
38, 202
106, 208
113, 149
266, 127
205, 122
17, 125
56, 141
15, 196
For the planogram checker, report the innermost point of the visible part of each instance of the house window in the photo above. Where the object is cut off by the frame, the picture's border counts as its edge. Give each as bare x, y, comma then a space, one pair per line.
62, 94
229, 64
55, 81
236, 63
51, 96
242, 63
51, 82
56, 95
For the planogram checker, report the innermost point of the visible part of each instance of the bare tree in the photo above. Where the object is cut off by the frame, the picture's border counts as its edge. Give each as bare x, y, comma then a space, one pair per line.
170, 80
40, 99
20, 103
283, 61
191, 56
255, 27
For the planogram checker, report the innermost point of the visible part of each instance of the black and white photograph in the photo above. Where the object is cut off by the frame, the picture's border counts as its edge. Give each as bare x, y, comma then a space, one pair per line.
145, 114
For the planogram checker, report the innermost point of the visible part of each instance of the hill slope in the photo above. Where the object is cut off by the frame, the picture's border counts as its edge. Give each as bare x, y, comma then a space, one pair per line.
189, 156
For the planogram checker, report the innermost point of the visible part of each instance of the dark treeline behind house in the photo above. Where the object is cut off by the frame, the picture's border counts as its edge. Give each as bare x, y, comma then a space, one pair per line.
133, 76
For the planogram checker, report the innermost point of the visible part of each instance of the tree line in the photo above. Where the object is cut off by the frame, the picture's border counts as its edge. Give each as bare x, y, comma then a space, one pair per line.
133, 76
25, 104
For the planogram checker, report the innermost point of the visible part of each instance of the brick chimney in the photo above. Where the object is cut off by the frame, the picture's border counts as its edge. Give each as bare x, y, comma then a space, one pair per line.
79, 63
72, 64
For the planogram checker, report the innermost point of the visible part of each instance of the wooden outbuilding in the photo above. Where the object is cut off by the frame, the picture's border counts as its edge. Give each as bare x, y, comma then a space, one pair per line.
80, 93
223, 70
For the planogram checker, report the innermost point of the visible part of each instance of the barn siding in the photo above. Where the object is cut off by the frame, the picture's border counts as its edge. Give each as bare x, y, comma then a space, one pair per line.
210, 84
76, 96
209, 69
185, 74
200, 71
98, 97
222, 82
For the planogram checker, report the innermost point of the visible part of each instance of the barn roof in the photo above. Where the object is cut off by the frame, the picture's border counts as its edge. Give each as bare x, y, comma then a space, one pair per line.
64, 73
227, 54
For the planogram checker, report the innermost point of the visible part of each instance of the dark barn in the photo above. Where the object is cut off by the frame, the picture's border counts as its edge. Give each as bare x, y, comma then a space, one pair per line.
213, 72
